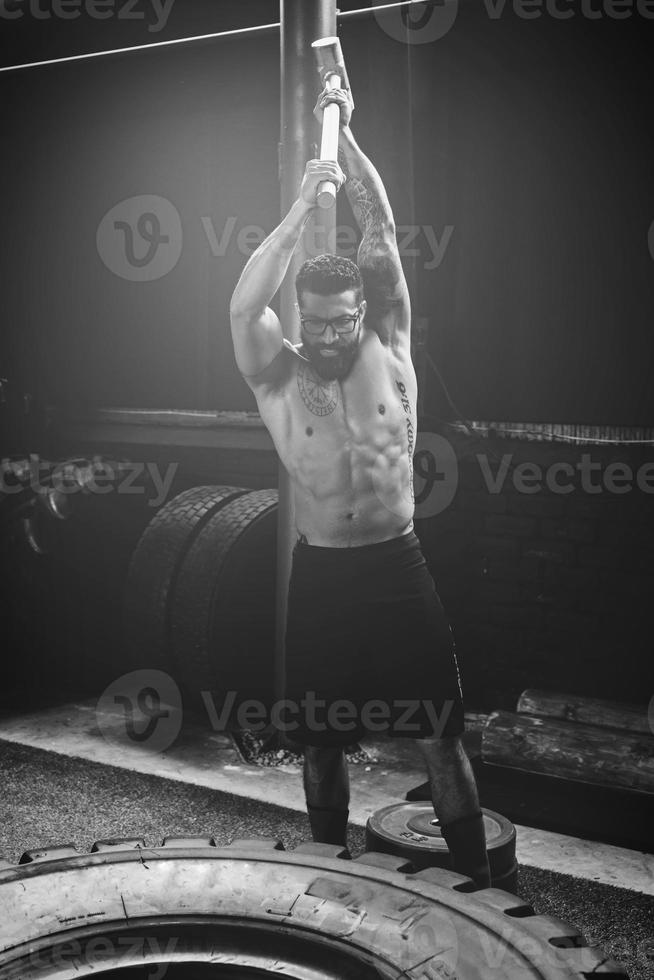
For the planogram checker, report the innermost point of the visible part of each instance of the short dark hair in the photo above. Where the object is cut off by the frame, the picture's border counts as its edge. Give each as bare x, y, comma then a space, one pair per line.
328, 274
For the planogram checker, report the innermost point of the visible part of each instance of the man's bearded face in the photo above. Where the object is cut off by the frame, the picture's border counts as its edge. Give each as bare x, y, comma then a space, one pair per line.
331, 353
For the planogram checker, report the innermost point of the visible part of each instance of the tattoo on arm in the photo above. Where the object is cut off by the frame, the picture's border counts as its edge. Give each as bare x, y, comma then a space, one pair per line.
371, 212
377, 257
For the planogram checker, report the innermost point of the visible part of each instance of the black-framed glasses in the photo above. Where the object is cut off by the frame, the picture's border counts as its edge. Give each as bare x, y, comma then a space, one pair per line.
346, 323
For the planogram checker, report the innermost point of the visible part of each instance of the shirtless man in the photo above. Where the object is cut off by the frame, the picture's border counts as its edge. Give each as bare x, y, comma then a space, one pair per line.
366, 633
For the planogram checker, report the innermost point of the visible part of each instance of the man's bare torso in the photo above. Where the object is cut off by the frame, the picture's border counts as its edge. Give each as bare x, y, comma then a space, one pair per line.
347, 445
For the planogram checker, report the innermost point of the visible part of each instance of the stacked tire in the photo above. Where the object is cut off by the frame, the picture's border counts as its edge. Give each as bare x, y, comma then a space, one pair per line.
200, 594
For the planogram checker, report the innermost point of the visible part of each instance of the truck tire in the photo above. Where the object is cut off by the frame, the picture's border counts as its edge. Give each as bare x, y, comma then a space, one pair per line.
223, 611
152, 570
254, 909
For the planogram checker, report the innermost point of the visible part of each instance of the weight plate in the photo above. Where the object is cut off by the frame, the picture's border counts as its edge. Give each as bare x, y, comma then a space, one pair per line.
508, 882
412, 830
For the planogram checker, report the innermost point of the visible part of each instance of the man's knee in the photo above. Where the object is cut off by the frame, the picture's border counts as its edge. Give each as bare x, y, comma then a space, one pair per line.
445, 745
318, 758
443, 752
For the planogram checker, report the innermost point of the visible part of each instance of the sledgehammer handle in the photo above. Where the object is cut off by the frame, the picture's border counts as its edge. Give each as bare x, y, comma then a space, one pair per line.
331, 121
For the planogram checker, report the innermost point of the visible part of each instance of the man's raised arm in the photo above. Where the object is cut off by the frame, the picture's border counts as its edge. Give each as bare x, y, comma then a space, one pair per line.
388, 305
256, 330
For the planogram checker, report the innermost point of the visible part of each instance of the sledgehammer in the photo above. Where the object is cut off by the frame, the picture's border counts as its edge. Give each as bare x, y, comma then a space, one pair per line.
333, 75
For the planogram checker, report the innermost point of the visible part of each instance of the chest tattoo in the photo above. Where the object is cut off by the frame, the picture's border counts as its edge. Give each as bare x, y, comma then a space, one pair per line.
320, 396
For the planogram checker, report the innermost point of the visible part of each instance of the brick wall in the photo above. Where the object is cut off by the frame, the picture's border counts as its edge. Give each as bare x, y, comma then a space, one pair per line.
544, 588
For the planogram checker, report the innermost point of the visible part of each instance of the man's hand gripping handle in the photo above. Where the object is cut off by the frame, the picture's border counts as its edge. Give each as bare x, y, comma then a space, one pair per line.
331, 68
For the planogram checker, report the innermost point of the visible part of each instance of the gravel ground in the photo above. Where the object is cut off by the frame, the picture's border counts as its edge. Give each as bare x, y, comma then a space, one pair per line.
256, 750
53, 799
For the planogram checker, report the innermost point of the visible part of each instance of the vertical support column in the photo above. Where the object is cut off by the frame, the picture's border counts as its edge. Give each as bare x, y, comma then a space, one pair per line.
302, 21
419, 324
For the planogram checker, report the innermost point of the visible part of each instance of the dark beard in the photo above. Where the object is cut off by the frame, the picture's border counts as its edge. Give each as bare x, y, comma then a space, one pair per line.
332, 368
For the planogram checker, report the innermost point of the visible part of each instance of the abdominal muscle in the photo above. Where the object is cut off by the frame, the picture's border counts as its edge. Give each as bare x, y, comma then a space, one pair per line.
346, 496
338, 523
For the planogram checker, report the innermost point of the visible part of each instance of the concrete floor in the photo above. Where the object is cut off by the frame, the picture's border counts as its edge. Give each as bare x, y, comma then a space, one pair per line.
206, 758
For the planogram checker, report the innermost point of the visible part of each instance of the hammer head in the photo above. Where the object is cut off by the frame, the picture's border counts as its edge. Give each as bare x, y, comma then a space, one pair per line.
330, 59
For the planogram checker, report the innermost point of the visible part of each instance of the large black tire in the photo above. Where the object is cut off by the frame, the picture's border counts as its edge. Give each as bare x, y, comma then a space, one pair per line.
254, 909
223, 612
152, 570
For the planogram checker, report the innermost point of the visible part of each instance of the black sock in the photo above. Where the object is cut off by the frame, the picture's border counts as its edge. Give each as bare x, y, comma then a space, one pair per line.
328, 826
466, 840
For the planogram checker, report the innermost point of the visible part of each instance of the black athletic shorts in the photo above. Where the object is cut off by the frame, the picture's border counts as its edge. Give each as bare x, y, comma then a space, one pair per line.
368, 646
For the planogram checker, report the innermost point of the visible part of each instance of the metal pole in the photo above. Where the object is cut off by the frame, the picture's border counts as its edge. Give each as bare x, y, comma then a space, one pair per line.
302, 21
